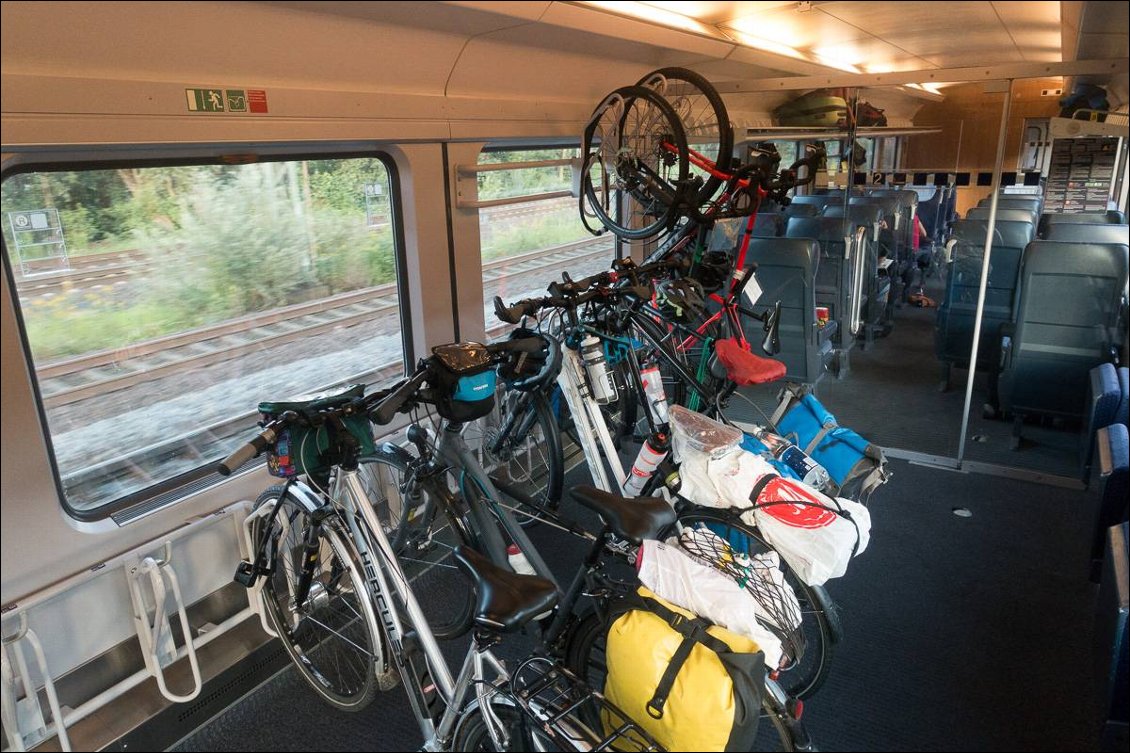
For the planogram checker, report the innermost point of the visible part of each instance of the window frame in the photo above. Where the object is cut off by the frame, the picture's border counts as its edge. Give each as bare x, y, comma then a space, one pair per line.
172, 490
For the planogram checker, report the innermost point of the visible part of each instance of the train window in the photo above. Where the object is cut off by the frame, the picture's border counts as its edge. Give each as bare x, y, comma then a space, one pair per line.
160, 303
531, 231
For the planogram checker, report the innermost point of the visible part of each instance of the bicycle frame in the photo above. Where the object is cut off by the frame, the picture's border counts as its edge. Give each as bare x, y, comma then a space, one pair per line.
453, 451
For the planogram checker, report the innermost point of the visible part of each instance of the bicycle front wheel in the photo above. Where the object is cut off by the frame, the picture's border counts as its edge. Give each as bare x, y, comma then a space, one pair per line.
519, 445
703, 116
636, 163
332, 634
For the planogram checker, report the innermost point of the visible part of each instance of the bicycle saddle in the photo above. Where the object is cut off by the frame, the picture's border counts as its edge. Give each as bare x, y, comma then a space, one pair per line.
505, 601
744, 368
631, 518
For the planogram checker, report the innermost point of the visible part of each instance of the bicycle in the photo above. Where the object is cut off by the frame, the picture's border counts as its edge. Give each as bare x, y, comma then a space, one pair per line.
324, 554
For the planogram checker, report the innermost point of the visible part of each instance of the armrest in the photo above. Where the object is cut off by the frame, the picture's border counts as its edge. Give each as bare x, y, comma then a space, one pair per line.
1106, 461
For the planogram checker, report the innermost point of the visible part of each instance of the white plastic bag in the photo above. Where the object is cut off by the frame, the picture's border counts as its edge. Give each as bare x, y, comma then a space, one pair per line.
759, 575
805, 527
675, 576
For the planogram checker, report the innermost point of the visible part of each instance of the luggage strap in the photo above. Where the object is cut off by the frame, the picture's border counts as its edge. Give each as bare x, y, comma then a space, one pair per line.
693, 630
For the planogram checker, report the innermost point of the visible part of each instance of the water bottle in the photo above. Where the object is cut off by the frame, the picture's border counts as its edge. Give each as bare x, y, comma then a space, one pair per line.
600, 378
653, 452
656, 397
518, 561
810, 472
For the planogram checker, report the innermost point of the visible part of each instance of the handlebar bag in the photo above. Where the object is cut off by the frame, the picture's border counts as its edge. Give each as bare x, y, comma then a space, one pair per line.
464, 378
690, 684
314, 448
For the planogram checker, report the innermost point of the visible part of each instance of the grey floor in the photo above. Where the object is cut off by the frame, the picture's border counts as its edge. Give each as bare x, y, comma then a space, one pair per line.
962, 633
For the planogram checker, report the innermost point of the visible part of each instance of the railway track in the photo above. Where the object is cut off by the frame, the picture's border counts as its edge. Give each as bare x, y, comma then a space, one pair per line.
91, 375
86, 272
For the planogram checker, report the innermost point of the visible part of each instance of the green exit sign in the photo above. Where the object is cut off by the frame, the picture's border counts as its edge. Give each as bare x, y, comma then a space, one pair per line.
205, 100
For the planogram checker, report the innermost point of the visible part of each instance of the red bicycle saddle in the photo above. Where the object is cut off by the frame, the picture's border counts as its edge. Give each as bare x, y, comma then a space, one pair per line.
744, 368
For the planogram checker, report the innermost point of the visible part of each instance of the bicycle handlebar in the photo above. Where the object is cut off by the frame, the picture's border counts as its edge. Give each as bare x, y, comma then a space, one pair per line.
262, 441
390, 401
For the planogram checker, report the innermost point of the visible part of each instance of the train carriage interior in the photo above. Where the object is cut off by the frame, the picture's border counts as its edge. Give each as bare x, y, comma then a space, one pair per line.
373, 356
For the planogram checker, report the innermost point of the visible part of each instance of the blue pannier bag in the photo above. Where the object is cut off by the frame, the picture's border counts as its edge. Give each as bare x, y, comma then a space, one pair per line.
849, 458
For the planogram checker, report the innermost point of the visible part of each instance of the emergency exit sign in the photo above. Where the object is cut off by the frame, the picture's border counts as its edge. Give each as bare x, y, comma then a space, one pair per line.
226, 100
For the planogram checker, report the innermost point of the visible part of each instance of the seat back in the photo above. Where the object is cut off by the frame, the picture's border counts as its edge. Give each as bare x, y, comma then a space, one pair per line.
1103, 395
1030, 216
1079, 218
833, 275
802, 210
1105, 233
953, 328
1033, 203
786, 272
768, 225
819, 200
1065, 324
877, 283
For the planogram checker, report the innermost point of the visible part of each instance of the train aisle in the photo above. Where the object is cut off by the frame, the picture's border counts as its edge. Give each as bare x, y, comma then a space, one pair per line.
961, 633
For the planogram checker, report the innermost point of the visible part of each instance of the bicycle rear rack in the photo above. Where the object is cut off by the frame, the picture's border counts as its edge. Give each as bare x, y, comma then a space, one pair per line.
561, 701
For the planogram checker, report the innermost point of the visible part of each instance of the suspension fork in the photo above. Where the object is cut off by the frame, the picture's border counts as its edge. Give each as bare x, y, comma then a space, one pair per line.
311, 552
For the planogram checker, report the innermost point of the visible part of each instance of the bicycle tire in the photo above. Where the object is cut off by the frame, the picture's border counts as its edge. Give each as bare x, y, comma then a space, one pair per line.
584, 652
472, 734
631, 143
423, 536
528, 465
335, 633
820, 622
703, 116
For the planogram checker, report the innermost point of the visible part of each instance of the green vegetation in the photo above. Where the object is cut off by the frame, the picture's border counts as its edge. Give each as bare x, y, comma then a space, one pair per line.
222, 241
548, 230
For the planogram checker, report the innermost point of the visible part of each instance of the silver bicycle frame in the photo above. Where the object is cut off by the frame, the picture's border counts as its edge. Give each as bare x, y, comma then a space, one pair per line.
381, 568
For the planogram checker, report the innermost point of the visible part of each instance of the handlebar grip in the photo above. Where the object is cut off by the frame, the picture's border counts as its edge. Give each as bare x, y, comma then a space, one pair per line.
388, 407
510, 314
248, 451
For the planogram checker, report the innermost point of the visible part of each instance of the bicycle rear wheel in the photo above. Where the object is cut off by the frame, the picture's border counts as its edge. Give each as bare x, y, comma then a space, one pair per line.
425, 520
703, 117
809, 649
585, 656
636, 163
332, 636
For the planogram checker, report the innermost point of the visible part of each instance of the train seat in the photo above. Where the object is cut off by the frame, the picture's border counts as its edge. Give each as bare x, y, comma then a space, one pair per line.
767, 225
878, 303
1048, 219
1088, 233
786, 272
1103, 397
1011, 215
802, 210
1065, 322
953, 328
